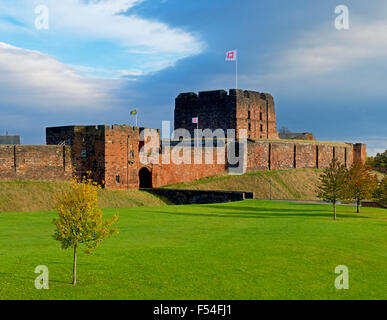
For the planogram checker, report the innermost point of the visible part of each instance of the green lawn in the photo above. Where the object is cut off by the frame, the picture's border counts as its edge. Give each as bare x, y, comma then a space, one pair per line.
243, 250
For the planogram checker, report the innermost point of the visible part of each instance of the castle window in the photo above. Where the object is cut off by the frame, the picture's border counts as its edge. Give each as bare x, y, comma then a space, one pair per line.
260, 116
83, 153
261, 127
248, 115
117, 179
131, 154
249, 126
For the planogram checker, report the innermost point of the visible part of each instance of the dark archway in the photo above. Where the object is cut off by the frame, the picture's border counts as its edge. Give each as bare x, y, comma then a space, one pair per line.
145, 177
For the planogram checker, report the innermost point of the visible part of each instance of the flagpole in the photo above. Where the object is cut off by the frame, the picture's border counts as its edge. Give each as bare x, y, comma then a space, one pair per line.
236, 70
197, 130
136, 118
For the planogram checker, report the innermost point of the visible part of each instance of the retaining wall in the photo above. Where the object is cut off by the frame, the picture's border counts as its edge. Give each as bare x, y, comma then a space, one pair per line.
182, 196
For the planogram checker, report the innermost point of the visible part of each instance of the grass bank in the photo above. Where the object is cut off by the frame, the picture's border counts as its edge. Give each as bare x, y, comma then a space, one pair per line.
293, 184
23, 196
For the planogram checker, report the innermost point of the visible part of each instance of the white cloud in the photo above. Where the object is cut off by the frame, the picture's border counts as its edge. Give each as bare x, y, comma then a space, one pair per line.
327, 49
111, 21
104, 20
30, 79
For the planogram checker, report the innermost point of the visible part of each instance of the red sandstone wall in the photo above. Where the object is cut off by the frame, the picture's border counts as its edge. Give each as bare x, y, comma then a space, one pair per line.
41, 163
87, 139
359, 152
122, 157
305, 155
7, 163
349, 155
340, 154
215, 110
285, 155
165, 174
260, 108
325, 155
282, 156
258, 156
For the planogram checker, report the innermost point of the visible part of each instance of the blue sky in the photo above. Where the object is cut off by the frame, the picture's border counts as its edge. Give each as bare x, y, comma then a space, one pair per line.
101, 58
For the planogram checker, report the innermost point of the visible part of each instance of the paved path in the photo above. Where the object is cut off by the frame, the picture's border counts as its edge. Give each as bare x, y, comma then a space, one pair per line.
311, 201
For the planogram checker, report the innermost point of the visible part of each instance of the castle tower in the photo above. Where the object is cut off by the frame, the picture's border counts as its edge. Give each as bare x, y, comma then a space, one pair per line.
359, 153
249, 110
110, 153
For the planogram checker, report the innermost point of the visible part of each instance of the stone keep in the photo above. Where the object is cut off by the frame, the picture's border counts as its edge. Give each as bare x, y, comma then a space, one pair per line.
238, 109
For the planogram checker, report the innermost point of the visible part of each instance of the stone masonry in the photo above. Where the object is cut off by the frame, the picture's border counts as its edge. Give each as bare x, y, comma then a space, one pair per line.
113, 155
249, 110
49, 163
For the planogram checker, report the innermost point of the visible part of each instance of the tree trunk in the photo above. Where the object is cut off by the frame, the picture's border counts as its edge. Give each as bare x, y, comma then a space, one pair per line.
334, 210
358, 206
75, 266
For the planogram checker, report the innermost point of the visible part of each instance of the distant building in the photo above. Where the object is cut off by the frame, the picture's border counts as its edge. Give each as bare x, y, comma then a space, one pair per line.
296, 135
9, 139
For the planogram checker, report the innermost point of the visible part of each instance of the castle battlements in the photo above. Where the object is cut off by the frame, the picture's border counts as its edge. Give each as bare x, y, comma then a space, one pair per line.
114, 153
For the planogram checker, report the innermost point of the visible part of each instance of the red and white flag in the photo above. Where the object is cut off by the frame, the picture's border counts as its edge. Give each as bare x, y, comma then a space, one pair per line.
195, 120
231, 55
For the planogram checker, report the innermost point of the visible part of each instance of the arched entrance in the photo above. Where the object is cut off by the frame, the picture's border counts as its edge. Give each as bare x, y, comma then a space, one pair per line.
145, 177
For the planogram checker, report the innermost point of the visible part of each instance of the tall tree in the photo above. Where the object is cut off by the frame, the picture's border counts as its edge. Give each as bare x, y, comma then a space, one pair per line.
379, 161
80, 219
381, 192
361, 183
332, 184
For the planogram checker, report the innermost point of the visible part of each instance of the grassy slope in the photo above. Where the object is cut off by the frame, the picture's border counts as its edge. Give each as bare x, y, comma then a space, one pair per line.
294, 184
243, 250
299, 184
32, 196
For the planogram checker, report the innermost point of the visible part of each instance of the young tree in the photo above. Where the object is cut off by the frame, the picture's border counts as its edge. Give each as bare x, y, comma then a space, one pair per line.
332, 183
361, 183
80, 219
